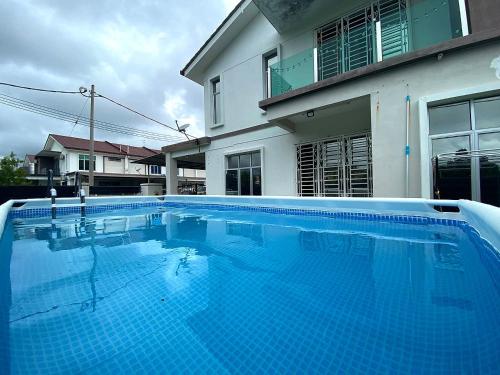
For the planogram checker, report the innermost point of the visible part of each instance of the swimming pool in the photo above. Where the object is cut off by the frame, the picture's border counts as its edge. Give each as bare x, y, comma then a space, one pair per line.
171, 286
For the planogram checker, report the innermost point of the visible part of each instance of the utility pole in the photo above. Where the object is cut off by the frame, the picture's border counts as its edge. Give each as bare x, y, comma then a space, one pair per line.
91, 149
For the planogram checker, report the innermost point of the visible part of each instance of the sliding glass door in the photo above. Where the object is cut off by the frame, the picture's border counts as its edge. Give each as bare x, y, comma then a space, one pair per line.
465, 149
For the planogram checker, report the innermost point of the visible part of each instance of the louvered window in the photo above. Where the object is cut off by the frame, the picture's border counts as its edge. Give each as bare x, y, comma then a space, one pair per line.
394, 27
335, 167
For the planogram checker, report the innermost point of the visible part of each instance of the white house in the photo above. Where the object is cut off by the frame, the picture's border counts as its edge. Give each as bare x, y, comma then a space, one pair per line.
350, 98
115, 164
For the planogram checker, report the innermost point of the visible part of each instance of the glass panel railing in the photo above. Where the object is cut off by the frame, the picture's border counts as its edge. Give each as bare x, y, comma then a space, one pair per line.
381, 30
433, 21
293, 72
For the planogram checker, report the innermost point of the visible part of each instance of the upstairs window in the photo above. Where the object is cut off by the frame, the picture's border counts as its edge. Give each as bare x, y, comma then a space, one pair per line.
270, 60
384, 29
155, 169
216, 101
83, 162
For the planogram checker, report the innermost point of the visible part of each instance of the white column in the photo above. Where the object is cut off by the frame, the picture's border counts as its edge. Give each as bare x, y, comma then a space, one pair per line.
171, 174
315, 64
463, 17
378, 37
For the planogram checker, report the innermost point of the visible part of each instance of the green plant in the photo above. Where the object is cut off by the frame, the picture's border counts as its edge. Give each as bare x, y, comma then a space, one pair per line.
10, 173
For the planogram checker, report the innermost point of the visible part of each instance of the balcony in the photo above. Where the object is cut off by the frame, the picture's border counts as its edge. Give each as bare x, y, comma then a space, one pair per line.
379, 31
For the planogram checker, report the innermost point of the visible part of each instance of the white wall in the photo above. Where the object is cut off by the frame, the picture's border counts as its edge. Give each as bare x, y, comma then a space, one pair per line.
458, 70
386, 117
241, 70
114, 165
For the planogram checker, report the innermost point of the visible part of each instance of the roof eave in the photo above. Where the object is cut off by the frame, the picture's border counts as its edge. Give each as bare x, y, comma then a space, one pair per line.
193, 69
187, 145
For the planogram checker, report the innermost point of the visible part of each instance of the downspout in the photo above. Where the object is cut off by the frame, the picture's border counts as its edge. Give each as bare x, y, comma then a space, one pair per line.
407, 148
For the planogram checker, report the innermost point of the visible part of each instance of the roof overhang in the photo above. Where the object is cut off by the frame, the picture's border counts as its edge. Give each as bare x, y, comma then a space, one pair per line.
187, 145
194, 161
48, 154
158, 159
232, 25
286, 15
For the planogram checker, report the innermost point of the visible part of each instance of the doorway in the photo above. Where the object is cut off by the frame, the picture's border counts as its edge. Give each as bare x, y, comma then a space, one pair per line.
465, 149
335, 167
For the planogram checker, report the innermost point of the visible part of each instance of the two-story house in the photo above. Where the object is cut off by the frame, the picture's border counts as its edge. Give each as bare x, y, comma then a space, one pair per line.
115, 164
384, 98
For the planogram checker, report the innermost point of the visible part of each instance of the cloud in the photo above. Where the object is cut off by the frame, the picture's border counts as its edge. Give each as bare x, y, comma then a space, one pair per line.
131, 51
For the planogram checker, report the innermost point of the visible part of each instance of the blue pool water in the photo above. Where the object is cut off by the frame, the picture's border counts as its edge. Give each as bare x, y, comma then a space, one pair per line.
203, 291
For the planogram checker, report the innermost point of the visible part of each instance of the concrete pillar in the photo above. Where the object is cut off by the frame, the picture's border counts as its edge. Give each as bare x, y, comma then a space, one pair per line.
171, 174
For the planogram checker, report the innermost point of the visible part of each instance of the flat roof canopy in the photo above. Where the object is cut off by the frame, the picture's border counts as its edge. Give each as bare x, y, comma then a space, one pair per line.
49, 154
285, 15
194, 161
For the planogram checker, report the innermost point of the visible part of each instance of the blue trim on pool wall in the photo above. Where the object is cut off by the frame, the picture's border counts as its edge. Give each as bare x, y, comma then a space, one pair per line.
484, 219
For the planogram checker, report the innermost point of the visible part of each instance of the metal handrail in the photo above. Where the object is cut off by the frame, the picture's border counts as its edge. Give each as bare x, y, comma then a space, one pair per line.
471, 153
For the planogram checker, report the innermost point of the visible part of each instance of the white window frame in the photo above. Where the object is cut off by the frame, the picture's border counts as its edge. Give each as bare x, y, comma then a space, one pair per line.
88, 160
211, 86
151, 169
266, 81
492, 89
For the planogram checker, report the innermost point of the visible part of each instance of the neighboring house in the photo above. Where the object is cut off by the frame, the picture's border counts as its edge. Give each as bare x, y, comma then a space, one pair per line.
115, 164
29, 164
309, 98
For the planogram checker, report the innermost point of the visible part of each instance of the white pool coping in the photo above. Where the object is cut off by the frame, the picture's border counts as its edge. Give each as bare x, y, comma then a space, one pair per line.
485, 219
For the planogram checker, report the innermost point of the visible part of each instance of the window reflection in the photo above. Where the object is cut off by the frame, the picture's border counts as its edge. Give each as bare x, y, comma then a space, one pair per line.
453, 169
243, 174
487, 113
449, 119
489, 168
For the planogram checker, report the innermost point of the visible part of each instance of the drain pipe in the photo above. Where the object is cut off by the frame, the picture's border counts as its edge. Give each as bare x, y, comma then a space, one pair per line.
407, 148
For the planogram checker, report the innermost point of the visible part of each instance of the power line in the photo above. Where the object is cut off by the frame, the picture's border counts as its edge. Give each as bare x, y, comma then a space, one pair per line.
72, 118
143, 115
101, 96
78, 118
38, 89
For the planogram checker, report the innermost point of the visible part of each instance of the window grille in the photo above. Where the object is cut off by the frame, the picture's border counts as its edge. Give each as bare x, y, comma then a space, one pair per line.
335, 167
349, 42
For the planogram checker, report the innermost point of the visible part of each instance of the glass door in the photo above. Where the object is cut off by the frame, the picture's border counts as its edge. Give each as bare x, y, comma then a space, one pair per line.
465, 149
453, 169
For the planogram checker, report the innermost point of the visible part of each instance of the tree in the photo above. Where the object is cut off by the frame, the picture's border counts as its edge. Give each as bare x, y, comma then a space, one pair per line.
10, 173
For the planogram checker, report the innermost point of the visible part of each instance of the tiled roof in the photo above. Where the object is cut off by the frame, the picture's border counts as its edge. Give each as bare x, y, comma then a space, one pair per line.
105, 147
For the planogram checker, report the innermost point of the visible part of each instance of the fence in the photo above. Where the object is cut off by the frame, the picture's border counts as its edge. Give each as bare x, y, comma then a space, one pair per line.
29, 191
115, 190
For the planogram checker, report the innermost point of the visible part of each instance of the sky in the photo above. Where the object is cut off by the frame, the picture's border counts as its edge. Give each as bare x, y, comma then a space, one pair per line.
131, 50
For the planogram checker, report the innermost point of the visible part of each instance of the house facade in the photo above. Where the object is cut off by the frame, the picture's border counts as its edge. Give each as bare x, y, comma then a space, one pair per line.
114, 163
384, 98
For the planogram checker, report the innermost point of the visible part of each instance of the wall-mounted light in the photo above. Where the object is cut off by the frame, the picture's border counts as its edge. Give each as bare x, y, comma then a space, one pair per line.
310, 113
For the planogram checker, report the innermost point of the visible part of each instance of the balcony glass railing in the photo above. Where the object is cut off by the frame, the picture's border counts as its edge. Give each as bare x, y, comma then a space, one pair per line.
379, 31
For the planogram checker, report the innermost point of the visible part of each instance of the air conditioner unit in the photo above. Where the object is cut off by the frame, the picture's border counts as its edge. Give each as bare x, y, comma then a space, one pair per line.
62, 157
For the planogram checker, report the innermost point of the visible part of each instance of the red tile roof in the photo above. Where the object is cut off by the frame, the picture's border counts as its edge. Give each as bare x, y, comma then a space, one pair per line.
105, 147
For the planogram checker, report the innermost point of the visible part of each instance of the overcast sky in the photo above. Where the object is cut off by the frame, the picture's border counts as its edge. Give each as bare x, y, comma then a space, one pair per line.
131, 50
